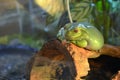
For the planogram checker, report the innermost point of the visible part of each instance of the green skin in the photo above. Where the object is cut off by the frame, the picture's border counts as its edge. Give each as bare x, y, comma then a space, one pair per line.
83, 35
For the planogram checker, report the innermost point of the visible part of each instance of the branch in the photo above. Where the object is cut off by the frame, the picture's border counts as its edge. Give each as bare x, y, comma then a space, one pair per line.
110, 50
107, 49
74, 59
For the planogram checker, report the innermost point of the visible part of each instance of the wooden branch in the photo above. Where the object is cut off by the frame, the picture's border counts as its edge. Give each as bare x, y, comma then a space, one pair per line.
80, 56
116, 76
80, 59
74, 59
107, 49
110, 50
51, 62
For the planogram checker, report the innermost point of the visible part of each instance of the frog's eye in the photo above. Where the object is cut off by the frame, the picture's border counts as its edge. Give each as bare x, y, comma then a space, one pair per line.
75, 30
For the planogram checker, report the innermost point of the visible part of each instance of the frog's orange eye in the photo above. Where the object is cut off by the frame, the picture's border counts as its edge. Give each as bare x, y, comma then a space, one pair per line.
75, 30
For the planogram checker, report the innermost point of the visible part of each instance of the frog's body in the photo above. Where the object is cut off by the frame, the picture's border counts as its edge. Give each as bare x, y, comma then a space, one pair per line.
83, 35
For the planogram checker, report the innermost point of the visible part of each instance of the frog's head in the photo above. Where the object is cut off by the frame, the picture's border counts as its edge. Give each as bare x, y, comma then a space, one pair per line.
74, 31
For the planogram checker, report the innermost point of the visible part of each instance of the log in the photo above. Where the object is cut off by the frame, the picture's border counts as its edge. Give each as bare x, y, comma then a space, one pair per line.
116, 76
110, 50
52, 62
66, 61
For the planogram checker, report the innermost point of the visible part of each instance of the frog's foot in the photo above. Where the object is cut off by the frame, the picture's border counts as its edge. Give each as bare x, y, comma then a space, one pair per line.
81, 43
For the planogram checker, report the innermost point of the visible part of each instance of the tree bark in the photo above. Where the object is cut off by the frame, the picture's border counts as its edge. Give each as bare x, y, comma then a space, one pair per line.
110, 50
63, 61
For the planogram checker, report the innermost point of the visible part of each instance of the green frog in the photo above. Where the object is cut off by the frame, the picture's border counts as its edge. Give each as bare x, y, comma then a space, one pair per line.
82, 34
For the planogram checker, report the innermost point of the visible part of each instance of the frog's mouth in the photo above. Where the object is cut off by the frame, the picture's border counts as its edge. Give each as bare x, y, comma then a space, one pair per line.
73, 37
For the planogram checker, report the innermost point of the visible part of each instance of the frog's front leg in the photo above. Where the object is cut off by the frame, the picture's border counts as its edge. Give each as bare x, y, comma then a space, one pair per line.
81, 43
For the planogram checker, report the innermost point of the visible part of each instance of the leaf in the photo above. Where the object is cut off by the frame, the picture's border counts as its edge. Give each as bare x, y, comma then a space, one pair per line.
81, 10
